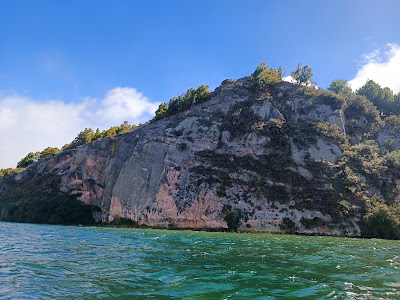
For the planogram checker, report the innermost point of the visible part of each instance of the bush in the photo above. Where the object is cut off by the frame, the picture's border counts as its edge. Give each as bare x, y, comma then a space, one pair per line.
7, 172
393, 159
288, 226
183, 102
335, 101
124, 223
49, 152
63, 209
28, 160
381, 222
264, 76
88, 135
311, 223
331, 132
383, 98
392, 124
340, 87
359, 106
232, 221
40, 201
302, 75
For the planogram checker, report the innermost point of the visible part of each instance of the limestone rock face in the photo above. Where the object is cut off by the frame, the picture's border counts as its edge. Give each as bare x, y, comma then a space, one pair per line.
226, 155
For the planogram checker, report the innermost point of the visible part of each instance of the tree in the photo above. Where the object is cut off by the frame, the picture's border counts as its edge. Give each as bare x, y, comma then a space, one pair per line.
381, 222
382, 98
6, 172
183, 102
83, 138
339, 86
264, 76
48, 152
302, 75
28, 160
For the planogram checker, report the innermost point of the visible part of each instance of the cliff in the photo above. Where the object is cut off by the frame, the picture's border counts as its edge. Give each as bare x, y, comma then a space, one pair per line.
278, 159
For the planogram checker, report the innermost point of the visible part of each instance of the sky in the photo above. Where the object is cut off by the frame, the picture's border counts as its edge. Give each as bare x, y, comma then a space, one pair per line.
70, 65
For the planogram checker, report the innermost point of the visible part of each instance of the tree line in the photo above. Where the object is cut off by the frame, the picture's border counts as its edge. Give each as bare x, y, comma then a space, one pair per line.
86, 136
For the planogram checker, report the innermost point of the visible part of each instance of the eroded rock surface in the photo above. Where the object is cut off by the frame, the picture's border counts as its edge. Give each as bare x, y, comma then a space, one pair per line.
229, 155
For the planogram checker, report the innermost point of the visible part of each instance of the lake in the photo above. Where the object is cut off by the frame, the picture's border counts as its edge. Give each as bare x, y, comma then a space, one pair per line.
67, 262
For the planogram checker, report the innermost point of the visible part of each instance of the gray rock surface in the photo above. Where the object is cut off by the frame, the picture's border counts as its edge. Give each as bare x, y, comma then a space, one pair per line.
189, 170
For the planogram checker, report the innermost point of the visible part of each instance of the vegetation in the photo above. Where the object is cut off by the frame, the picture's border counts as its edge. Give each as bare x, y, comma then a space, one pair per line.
362, 117
392, 125
340, 87
232, 221
39, 201
381, 222
183, 102
382, 98
362, 181
88, 135
288, 226
29, 159
302, 75
49, 152
4, 173
264, 76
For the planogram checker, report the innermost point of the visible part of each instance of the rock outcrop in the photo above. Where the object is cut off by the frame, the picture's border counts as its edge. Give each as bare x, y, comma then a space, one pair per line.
253, 155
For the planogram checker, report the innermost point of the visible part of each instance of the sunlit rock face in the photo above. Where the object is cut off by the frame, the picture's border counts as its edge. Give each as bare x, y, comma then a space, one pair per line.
245, 152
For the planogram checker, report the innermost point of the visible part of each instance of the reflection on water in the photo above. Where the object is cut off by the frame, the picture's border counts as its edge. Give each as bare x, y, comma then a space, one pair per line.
43, 261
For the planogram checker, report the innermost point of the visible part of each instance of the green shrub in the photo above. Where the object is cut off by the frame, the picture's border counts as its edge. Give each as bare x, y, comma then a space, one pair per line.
288, 226
331, 132
49, 152
340, 87
182, 146
49, 209
392, 124
381, 222
123, 223
311, 223
183, 102
302, 75
359, 106
335, 101
28, 160
264, 76
7, 172
276, 123
39, 200
232, 220
383, 98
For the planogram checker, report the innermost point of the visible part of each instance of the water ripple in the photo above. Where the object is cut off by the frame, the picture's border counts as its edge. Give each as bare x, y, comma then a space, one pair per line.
55, 262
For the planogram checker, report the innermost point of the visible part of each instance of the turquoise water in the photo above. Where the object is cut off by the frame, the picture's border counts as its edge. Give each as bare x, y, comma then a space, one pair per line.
48, 262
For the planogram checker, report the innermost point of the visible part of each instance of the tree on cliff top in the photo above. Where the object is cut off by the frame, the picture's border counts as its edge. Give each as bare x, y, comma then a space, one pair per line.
264, 76
339, 86
49, 152
302, 75
28, 159
183, 102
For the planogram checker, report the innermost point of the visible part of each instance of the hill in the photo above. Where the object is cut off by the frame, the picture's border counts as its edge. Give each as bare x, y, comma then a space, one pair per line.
272, 157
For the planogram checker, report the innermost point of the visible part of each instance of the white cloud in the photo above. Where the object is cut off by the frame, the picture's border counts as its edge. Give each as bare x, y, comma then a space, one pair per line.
381, 66
29, 126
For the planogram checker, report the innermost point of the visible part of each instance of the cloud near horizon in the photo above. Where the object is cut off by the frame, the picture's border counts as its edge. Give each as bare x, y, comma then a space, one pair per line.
29, 126
381, 66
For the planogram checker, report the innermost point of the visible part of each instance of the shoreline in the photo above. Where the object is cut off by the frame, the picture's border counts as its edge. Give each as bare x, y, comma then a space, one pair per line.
222, 230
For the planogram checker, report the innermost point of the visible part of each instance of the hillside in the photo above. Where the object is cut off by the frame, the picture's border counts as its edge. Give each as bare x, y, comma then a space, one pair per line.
279, 158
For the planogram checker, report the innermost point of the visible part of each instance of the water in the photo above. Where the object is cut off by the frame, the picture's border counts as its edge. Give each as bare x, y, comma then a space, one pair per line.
48, 262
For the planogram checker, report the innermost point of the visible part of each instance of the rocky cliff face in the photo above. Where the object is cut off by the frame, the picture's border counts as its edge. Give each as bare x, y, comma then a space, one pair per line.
252, 158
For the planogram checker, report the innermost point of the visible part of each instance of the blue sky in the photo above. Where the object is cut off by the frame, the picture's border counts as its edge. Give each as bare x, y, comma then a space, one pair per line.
79, 55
